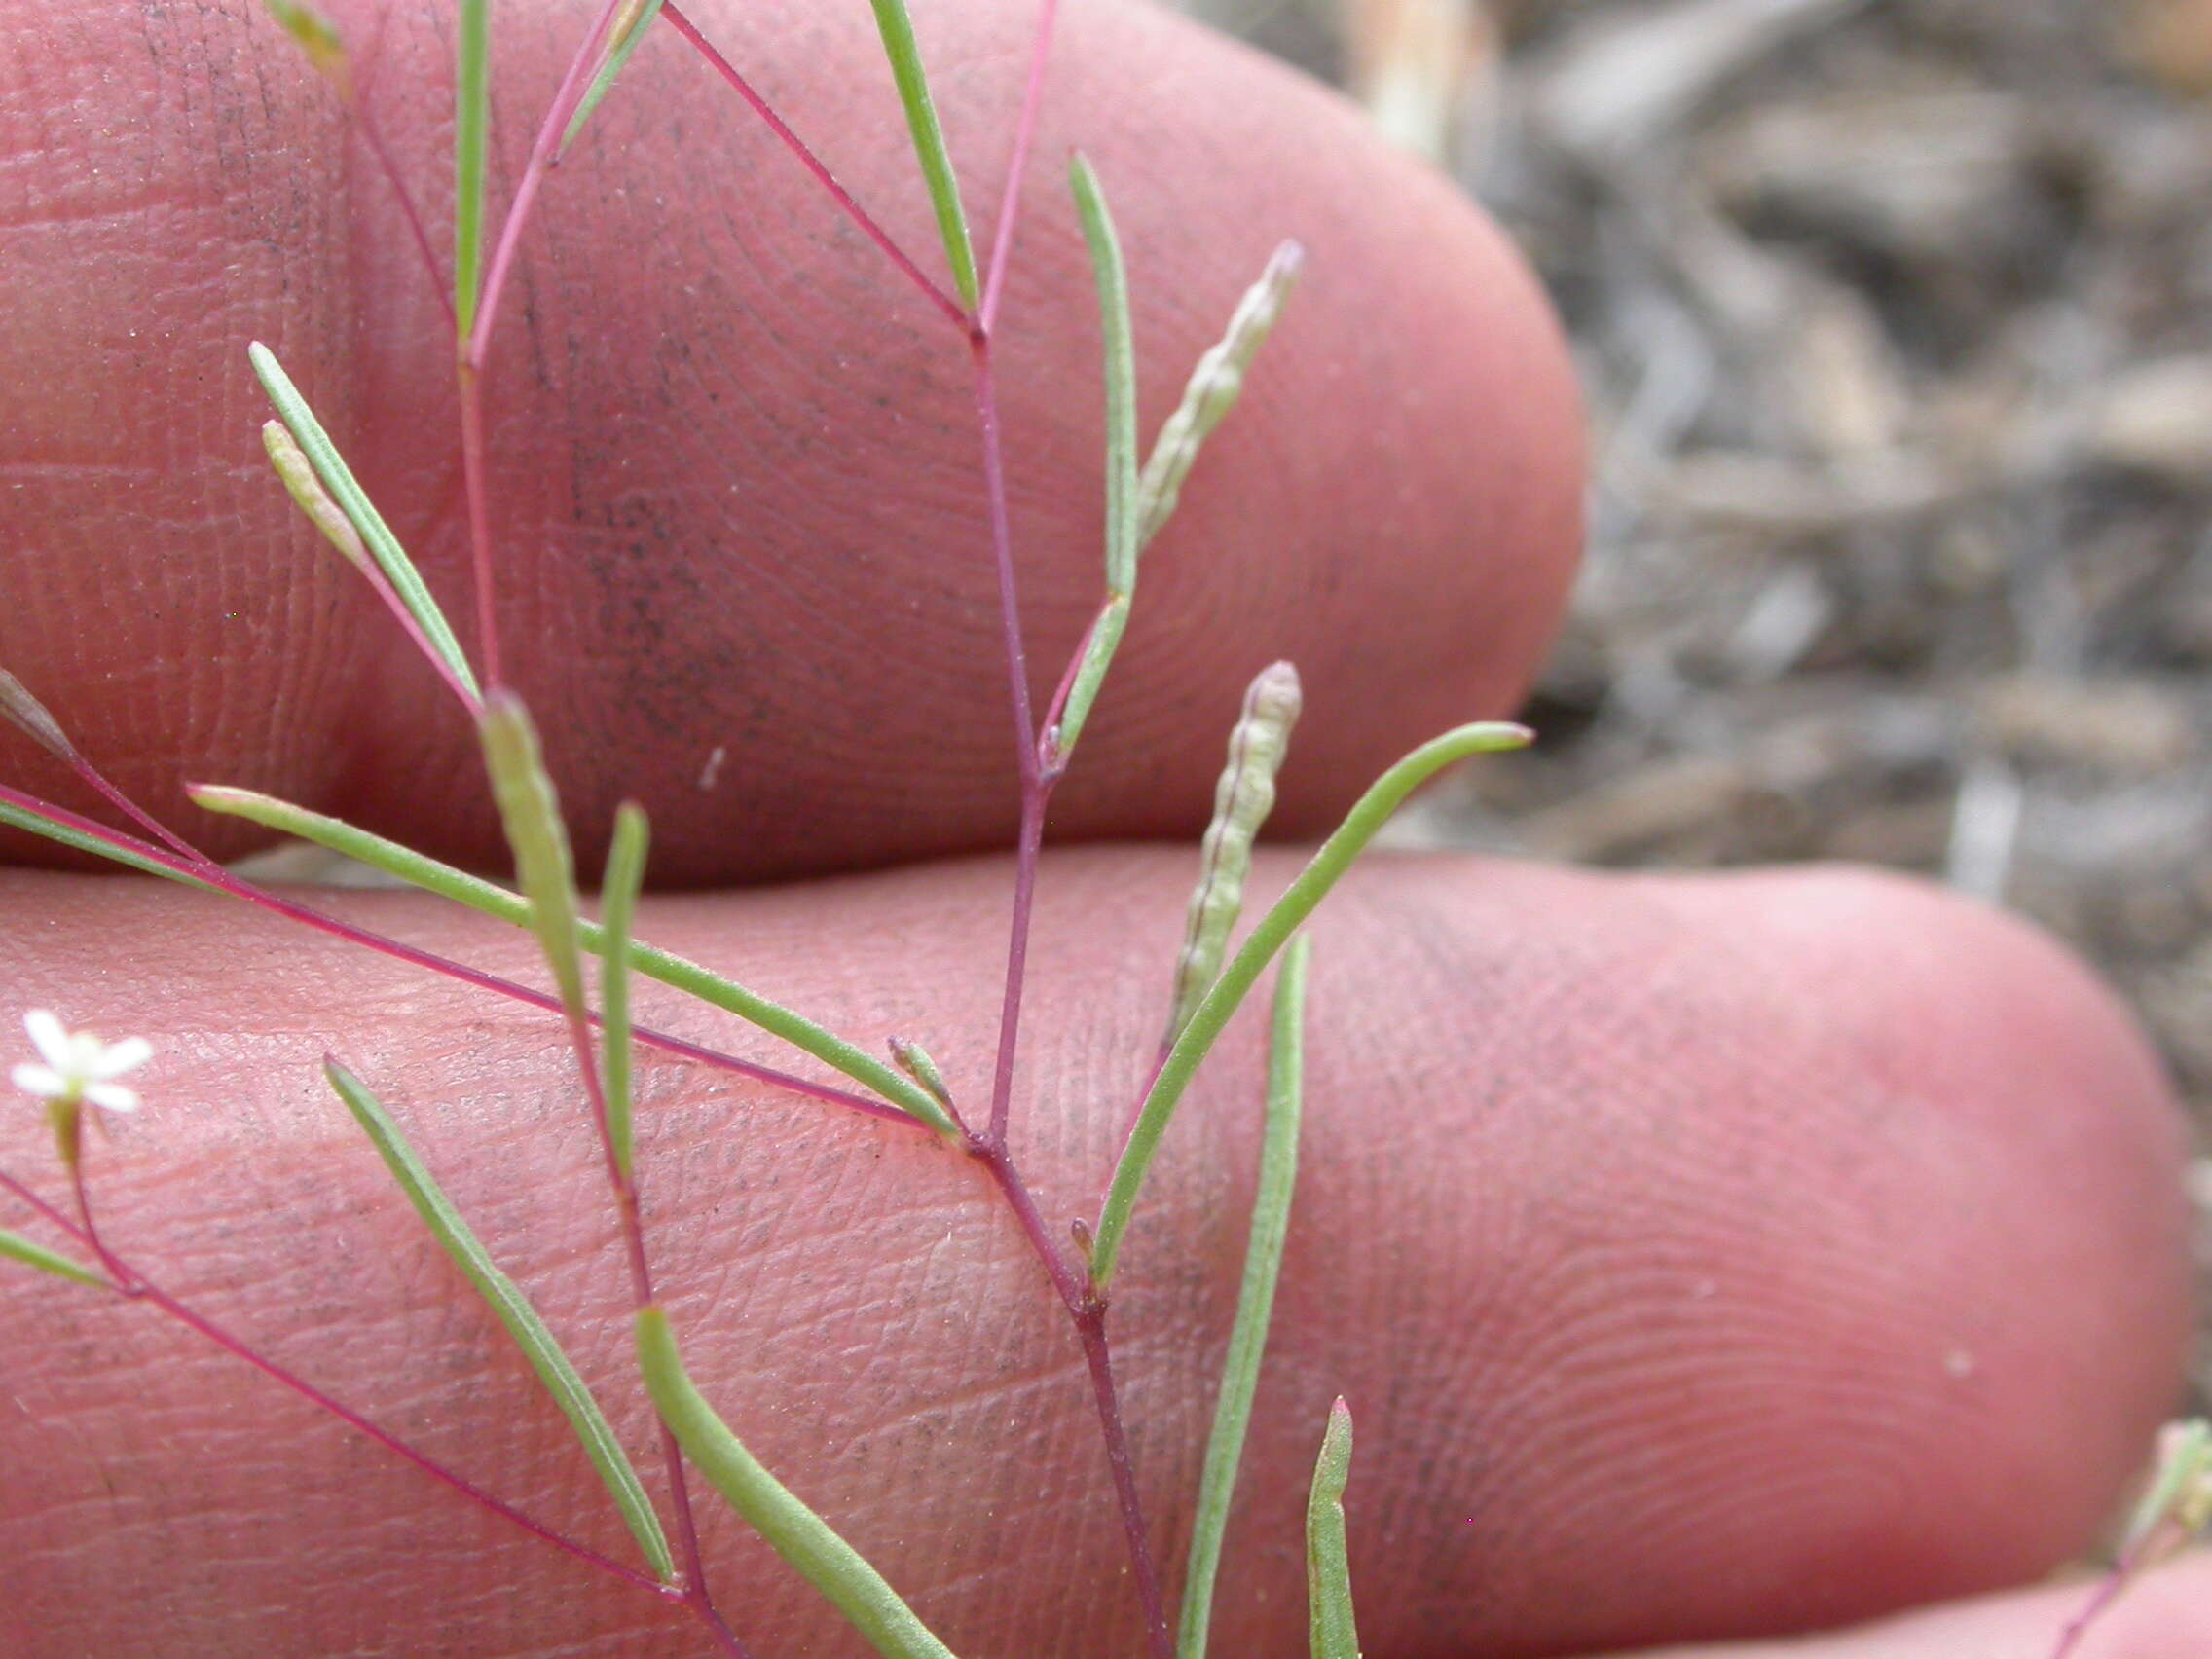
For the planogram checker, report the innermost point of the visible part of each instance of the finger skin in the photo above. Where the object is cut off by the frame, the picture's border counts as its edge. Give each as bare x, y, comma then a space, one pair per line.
1701, 1259
736, 478
2166, 1615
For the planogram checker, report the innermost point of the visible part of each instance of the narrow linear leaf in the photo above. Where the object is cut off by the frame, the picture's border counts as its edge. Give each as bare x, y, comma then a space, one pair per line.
1099, 648
795, 1532
617, 909
471, 121
1118, 349
492, 900
513, 1310
318, 40
1118, 341
15, 1247
1215, 384
1328, 1568
1312, 884
122, 851
898, 46
529, 811
1241, 802
360, 511
630, 30
1255, 1299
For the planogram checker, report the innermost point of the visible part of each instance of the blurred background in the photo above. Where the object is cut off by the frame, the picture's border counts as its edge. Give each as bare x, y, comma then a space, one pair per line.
1896, 320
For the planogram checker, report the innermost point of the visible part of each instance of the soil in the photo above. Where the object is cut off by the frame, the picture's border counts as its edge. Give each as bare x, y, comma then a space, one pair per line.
1896, 320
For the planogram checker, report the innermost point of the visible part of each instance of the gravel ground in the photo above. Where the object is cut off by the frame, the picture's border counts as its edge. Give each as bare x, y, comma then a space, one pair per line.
1895, 319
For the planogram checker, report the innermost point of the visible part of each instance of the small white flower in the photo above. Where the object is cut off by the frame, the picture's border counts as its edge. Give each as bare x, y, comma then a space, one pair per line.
79, 1066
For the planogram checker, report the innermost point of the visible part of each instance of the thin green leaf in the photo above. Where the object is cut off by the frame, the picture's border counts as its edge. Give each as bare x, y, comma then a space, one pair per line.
530, 813
360, 511
500, 903
1099, 648
898, 31
795, 1532
1118, 343
1255, 1299
1328, 1568
15, 1247
512, 1308
617, 909
1215, 384
2179, 1500
1241, 802
69, 836
318, 40
1322, 872
471, 121
629, 31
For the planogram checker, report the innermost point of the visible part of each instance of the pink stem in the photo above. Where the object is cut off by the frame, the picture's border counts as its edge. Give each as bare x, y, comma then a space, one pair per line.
381, 585
141, 1287
1009, 201
479, 521
220, 879
1091, 1326
573, 85
813, 164
633, 1228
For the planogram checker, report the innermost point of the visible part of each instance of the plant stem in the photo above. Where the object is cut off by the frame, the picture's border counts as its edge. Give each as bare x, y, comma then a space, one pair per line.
144, 1289
1010, 199
123, 1280
1091, 1327
215, 877
813, 164
573, 85
1035, 788
479, 521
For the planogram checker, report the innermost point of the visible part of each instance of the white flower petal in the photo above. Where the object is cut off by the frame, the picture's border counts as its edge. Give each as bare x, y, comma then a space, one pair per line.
40, 1081
50, 1036
126, 1056
111, 1096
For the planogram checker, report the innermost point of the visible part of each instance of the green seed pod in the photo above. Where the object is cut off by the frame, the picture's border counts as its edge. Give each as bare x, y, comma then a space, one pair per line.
1241, 802
306, 491
1213, 389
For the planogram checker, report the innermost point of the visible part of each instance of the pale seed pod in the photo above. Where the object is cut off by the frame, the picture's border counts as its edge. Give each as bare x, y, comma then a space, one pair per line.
1241, 802
1214, 387
306, 491
28, 716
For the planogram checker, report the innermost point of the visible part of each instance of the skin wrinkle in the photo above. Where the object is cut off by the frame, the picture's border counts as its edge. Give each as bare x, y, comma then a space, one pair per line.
1567, 1393
1450, 588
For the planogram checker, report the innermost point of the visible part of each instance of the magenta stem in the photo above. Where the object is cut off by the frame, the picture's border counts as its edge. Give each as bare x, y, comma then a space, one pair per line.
814, 165
1018, 167
570, 93
223, 881
626, 1210
123, 1278
473, 486
142, 1288
1091, 1326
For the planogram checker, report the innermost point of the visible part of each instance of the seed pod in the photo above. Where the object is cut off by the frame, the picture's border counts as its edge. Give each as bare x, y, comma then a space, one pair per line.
318, 40
28, 716
1214, 387
1241, 802
298, 473
530, 813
